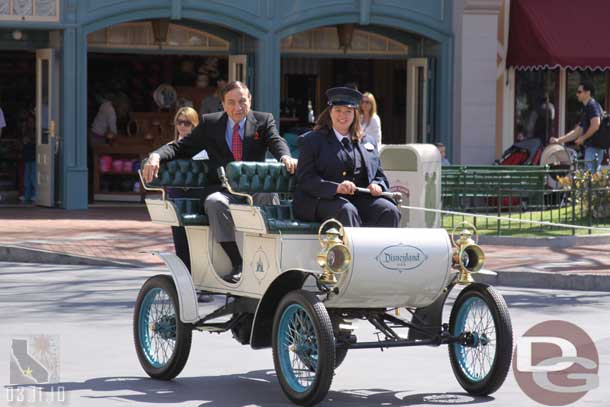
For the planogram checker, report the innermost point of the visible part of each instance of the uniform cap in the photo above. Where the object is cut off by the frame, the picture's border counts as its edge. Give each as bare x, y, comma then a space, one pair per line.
343, 96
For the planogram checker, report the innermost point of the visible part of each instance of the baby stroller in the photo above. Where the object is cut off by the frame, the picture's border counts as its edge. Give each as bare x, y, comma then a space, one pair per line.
560, 160
526, 152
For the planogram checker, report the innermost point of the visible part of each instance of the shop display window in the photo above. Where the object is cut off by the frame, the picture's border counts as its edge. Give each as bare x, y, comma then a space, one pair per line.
536, 114
145, 91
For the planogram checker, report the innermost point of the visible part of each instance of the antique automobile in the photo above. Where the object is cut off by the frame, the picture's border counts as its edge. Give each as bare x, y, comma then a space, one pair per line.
304, 283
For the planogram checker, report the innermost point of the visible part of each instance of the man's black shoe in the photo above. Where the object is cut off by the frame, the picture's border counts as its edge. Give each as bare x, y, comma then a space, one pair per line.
235, 275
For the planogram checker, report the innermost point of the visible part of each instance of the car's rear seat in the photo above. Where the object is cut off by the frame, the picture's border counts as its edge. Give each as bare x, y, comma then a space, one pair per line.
245, 177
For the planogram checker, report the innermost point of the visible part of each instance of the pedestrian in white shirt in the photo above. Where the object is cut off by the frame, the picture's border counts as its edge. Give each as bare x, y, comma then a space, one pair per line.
104, 121
370, 123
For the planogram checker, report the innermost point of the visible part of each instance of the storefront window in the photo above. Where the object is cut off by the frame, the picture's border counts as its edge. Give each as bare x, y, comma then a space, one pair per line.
30, 10
598, 79
535, 105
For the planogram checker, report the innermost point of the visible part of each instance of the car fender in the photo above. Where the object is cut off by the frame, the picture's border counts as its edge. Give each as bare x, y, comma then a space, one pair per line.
187, 297
430, 316
263, 318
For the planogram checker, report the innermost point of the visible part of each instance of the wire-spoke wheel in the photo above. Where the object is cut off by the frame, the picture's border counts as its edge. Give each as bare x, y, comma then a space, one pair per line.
481, 361
163, 343
303, 347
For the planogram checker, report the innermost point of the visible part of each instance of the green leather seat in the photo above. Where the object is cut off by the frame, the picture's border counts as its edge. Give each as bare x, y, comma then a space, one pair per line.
279, 219
184, 175
253, 177
247, 177
191, 211
181, 173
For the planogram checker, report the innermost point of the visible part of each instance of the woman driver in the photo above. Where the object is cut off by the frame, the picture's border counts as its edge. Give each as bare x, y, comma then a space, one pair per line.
335, 159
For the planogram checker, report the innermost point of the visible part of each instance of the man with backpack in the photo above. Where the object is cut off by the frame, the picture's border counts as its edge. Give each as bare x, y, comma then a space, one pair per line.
587, 128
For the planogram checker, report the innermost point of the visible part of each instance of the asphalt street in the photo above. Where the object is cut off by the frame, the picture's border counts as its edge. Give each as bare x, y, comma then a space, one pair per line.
89, 311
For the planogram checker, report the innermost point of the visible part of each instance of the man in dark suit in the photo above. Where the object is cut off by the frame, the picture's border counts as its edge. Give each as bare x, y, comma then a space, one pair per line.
237, 134
335, 159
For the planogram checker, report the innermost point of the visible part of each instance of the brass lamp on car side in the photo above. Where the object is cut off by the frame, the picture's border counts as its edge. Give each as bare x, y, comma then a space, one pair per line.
334, 257
468, 256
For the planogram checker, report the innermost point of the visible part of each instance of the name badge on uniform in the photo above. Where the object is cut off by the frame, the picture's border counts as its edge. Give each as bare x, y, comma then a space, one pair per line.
369, 146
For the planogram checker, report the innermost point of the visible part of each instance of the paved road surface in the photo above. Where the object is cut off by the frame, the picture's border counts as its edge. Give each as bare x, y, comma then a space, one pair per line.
90, 310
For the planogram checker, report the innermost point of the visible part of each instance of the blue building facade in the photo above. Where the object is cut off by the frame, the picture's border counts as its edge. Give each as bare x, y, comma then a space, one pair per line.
256, 28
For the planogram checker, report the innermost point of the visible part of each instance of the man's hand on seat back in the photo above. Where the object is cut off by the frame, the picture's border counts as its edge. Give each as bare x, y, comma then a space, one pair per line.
151, 168
290, 163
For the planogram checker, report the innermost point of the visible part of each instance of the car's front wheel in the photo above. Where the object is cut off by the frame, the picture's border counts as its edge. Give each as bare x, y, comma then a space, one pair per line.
162, 341
303, 347
482, 361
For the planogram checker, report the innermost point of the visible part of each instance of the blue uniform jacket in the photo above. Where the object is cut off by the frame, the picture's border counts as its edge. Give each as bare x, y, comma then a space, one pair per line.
324, 164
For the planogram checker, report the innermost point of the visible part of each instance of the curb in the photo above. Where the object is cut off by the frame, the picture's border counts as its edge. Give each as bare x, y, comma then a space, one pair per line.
551, 281
29, 255
522, 279
560, 242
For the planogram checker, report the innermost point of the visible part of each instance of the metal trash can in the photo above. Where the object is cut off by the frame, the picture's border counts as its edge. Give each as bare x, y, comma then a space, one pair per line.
415, 171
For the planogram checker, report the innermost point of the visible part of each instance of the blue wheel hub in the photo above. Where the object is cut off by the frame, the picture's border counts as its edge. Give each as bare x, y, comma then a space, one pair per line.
166, 327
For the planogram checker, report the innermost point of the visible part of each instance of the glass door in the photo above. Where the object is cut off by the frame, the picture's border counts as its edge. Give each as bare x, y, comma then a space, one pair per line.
417, 100
238, 68
45, 128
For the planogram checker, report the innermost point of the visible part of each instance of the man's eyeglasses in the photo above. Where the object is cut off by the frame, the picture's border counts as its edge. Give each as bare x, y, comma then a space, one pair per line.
184, 123
578, 92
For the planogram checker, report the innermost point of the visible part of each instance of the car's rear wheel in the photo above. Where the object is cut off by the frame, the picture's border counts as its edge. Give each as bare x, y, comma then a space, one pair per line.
303, 347
162, 341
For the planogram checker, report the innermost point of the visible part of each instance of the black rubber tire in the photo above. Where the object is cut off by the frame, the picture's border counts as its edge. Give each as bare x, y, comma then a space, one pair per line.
340, 354
183, 332
500, 365
323, 330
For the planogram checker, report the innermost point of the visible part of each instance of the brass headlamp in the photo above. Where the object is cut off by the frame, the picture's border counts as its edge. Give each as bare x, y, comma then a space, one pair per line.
335, 256
468, 256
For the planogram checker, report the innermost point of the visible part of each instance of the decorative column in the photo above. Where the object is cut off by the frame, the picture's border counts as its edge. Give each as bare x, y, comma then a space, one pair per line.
74, 193
267, 73
477, 50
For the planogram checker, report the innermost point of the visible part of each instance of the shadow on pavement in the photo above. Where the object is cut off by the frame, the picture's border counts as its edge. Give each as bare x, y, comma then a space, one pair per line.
536, 299
253, 388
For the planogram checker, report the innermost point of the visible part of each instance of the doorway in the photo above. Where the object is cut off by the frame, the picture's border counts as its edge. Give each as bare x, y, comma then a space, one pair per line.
306, 79
142, 73
17, 137
393, 65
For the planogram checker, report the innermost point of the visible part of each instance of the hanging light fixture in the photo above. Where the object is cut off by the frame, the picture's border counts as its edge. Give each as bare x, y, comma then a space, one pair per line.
345, 32
17, 35
160, 29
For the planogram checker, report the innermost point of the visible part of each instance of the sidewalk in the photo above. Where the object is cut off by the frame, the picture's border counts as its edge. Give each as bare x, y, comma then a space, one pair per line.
97, 236
124, 235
